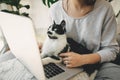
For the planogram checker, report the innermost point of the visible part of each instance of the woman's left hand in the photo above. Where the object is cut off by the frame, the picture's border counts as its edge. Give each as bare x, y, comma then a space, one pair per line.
72, 59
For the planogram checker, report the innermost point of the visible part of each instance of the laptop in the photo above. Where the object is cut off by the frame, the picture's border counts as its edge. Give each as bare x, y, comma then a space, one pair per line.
20, 36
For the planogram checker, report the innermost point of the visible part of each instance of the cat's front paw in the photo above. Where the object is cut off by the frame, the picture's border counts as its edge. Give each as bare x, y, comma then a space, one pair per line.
48, 60
45, 61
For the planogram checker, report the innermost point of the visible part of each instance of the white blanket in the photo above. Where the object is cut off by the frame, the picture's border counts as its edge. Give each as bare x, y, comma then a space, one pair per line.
14, 70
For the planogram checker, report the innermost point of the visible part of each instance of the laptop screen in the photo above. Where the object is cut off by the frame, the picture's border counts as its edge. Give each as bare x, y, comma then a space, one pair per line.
20, 36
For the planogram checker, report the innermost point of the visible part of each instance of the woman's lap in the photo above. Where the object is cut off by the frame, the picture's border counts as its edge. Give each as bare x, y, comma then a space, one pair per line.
108, 71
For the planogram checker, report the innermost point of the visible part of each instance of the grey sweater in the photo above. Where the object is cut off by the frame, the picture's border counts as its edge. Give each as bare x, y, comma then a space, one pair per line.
96, 30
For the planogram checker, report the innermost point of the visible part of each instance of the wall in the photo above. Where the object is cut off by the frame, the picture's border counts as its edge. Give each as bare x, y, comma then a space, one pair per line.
39, 14
116, 7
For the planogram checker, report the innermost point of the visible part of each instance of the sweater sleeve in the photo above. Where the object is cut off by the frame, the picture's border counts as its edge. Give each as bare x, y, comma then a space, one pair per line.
109, 46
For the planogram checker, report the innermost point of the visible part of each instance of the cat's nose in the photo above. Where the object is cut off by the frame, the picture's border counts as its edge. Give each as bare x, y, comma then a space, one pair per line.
49, 32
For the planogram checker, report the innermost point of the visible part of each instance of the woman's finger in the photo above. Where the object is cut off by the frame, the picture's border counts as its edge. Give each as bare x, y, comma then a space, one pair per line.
69, 65
64, 55
67, 59
66, 62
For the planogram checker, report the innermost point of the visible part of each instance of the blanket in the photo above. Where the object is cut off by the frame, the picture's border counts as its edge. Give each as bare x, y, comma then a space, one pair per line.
14, 70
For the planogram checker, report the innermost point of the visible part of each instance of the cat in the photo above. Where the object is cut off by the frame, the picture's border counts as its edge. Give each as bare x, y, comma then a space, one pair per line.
57, 42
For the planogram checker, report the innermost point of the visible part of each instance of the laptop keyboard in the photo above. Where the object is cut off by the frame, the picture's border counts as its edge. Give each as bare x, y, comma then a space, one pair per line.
52, 69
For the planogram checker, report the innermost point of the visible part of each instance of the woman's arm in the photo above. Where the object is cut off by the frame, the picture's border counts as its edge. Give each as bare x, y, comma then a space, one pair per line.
72, 59
108, 45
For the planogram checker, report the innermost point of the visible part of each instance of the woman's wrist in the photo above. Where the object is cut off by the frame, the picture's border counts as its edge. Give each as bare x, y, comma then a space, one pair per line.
91, 58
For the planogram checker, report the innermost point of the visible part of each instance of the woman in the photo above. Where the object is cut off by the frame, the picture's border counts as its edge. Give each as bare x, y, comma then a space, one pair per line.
91, 23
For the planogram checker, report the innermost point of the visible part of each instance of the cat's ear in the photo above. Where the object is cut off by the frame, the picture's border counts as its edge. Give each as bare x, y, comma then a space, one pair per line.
54, 23
63, 23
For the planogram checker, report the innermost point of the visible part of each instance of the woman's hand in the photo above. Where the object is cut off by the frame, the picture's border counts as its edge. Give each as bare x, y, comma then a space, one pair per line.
72, 59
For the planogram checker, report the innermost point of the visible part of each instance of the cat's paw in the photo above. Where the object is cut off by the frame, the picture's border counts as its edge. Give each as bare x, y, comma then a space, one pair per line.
48, 60
57, 61
45, 61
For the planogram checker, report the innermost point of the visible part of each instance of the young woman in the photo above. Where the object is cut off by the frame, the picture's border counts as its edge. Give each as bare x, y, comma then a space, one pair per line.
91, 23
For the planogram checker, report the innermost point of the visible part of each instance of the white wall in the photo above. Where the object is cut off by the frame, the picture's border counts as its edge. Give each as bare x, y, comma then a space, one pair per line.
39, 14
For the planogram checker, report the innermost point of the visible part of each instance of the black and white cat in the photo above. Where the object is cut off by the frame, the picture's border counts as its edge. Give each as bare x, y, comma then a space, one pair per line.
57, 43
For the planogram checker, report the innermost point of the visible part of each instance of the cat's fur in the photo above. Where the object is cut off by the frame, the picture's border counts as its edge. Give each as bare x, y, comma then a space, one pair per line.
57, 43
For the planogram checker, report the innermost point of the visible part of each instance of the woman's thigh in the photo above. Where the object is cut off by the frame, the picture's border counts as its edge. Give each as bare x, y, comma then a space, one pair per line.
108, 71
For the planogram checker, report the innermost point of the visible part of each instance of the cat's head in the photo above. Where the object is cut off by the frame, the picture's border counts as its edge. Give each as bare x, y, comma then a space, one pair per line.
56, 30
